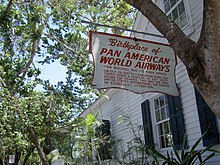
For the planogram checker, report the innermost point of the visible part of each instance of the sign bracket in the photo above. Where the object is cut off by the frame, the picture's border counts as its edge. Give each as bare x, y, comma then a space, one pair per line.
120, 28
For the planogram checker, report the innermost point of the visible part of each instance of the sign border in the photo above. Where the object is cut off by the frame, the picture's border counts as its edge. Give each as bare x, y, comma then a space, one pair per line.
136, 39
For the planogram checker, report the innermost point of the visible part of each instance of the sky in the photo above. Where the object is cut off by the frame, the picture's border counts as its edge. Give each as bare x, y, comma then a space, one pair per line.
53, 72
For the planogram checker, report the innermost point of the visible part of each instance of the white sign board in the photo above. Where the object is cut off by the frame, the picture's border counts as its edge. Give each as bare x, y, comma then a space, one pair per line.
136, 65
11, 159
58, 162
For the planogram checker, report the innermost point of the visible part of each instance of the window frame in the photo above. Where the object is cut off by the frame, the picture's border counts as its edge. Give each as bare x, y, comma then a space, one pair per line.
156, 124
188, 29
177, 124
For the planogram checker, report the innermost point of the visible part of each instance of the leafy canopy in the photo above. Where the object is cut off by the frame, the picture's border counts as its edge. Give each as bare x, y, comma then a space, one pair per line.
45, 31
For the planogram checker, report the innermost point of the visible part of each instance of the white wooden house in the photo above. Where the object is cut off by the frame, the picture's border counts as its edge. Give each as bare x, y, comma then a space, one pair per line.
165, 119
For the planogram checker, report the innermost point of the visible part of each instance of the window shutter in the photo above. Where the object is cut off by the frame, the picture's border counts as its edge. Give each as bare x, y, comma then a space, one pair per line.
105, 128
207, 121
148, 133
176, 120
104, 148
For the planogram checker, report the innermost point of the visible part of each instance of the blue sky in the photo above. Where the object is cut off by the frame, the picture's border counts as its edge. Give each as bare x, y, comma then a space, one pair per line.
53, 72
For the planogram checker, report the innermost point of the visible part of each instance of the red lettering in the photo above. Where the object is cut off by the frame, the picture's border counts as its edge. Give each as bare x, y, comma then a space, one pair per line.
135, 56
112, 41
110, 52
104, 50
104, 59
127, 55
155, 59
167, 68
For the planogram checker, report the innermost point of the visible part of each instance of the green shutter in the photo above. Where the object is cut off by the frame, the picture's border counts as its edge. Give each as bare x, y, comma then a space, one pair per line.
207, 121
176, 120
147, 125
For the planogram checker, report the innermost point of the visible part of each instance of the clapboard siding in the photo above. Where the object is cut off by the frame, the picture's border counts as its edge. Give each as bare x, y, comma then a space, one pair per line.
188, 107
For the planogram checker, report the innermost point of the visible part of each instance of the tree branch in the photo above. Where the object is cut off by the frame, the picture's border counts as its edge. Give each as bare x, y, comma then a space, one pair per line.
3, 82
37, 145
8, 6
181, 44
34, 49
60, 42
33, 53
54, 38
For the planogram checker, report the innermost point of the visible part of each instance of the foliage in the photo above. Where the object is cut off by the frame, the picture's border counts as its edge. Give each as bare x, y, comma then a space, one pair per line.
135, 151
184, 157
87, 140
45, 31
132, 151
33, 110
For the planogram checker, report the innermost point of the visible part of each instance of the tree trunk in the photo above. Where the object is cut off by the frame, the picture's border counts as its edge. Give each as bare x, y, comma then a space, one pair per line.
17, 157
202, 58
209, 43
1, 161
37, 145
48, 144
30, 151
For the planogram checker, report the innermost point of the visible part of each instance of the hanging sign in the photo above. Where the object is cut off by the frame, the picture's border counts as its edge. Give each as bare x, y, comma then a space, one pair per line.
136, 65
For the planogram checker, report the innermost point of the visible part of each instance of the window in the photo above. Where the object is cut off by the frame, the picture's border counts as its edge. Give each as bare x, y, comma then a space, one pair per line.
169, 121
103, 132
176, 10
162, 121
